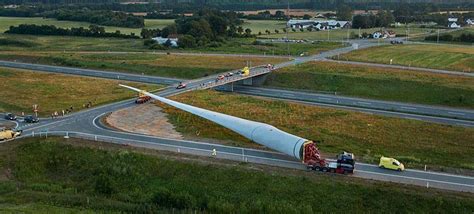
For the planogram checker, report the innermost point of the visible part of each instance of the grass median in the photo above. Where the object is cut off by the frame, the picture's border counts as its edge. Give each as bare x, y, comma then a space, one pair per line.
377, 83
54, 92
59, 175
413, 142
449, 57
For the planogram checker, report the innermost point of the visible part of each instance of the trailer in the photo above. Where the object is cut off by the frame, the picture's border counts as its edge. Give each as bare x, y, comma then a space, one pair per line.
264, 134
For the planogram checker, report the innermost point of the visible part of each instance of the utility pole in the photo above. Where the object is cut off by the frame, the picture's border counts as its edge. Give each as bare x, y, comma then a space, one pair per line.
437, 39
287, 38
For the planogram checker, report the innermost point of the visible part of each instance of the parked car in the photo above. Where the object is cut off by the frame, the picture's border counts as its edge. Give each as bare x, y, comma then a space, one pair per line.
220, 77
391, 163
31, 119
229, 74
10, 116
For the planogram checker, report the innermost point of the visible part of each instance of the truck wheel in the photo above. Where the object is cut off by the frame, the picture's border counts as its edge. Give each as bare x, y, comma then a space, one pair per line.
399, 169
382, 167
317, 168
325, 169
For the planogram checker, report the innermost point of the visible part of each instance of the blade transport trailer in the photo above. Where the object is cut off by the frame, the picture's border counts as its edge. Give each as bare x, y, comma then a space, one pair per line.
269, 136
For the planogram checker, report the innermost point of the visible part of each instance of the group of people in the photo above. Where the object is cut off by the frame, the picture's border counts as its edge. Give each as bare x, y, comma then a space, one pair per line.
61, 113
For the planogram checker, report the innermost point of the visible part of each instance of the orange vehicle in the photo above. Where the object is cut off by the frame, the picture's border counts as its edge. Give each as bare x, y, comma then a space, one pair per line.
142, 98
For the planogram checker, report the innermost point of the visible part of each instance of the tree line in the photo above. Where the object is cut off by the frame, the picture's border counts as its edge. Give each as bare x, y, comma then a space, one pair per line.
464, 37
92, 31
207, 27
99, 17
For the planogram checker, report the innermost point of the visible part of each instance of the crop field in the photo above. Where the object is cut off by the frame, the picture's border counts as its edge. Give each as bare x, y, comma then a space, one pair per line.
185, 67
6, 22
414, 142
59, 175
53, 92
377, 83
449, 57
341, 34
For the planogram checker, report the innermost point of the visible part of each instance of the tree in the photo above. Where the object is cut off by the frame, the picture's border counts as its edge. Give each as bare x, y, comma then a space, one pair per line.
240, 30
248, 32
170, 29
292, 29
344, 12
307, 16
277, 31
187, 41
267, 32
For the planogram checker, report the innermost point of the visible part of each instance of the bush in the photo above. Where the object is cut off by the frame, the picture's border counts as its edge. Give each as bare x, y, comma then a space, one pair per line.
149, 42
214, 45
187, 41
158, 47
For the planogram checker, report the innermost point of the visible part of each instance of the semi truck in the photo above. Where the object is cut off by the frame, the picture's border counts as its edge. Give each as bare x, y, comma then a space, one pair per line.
264, 134
8, 134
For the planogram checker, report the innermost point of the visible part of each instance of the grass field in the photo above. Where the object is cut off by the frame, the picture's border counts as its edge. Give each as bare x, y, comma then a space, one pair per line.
247, 46
414, 142
185, 67
6, 22
377, 83
449, 57
58, 175
53, 92
63, 43
262, 25
341, 34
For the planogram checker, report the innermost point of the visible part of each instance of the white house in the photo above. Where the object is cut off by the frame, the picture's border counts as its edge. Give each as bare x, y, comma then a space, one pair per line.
470, 22
161, 41
452, 23
318, 24
384, 34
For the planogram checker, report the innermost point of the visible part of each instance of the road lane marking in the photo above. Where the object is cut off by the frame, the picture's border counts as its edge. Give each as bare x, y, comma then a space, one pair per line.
365, 103
289, 95
415, 178
409, 108
456, 113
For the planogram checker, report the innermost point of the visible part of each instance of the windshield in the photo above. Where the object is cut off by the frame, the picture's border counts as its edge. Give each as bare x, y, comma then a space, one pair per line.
395, 162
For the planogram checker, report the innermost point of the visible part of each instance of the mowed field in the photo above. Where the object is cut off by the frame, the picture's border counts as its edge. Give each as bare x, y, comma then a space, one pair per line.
377, 83
449, 57
21, 89
184, 67
57, 175
6, 22
368, 136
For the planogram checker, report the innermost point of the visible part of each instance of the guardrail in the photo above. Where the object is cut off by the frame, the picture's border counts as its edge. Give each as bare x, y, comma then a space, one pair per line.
242, 156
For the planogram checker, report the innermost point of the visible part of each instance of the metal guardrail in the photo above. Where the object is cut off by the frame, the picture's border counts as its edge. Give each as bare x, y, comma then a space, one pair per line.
241, 157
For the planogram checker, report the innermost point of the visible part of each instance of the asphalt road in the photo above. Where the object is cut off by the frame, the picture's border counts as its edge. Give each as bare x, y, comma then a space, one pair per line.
87, 122
451, 116
401, 67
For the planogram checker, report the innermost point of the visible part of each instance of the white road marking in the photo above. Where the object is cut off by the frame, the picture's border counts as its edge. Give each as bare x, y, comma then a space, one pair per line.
286, 94
365, 103
456, 113
324, 98
409, 108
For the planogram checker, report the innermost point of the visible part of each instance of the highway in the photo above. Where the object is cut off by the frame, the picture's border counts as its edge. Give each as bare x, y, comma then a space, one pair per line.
402, 67
444, 115
87, 123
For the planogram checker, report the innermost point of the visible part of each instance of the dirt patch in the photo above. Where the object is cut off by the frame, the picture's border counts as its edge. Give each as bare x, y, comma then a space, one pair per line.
146, 119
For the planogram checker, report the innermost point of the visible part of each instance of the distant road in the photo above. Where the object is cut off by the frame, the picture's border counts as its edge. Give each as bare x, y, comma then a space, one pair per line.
445, 115
91, 73
402, 67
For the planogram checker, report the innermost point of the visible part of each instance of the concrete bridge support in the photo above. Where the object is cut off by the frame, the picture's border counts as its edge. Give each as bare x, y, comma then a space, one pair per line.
253, 81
